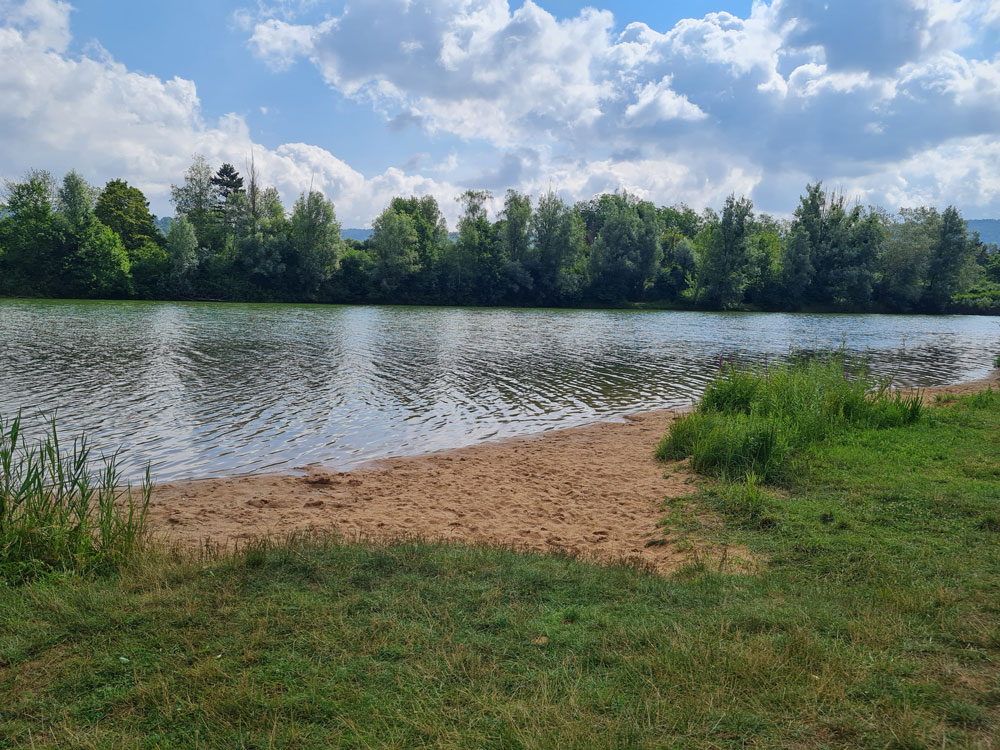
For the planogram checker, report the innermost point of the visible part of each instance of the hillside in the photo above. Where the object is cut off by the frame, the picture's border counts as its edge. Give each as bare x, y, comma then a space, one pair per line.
989, 229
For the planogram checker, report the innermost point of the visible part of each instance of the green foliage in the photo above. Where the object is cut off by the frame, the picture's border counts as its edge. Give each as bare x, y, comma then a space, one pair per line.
752, 421
182, 254
394, 250
626, 250
76, 200
951, 261
98, 266
612, 250
315, 242
724, 258
197, 200
125, 210
61, 512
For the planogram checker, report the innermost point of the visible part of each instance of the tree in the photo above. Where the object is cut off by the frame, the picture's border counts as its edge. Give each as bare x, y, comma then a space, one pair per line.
515, 242
182, 253
796, 266
125, 211
905, 256
680, 219
315, 244
99, 266
725, 260
432, 236
34, 241
951, 259
626, 251
844, 248
149, 266
677, 269
394, 248
472, 270
196, 200
558, 258
76, 200
763, 275
227, 182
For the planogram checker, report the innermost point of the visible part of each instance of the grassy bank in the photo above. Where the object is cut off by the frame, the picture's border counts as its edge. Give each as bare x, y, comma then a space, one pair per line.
874, 622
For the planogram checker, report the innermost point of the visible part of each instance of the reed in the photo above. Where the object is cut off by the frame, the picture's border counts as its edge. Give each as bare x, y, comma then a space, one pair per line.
62, 510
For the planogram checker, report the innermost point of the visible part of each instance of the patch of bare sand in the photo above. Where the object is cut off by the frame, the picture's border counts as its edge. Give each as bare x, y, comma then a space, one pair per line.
593, 491
929, 395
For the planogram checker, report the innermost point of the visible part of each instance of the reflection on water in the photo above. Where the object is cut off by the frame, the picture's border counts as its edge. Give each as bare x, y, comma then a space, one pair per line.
209, 389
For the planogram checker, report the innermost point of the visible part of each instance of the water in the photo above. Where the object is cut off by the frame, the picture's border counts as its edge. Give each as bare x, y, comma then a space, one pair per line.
210, 389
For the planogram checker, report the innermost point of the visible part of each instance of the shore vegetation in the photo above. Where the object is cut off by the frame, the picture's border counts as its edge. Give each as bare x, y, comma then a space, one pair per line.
61, 511
752, 420
232, 239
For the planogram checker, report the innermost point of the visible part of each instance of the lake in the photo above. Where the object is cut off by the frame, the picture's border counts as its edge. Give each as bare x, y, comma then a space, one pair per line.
205, 390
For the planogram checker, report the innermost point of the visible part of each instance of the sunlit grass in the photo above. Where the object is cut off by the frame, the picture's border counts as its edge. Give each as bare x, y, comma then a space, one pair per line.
752, 420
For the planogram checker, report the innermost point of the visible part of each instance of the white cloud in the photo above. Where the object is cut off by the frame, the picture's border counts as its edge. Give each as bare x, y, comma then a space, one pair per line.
896, 112
94, 115
834, 89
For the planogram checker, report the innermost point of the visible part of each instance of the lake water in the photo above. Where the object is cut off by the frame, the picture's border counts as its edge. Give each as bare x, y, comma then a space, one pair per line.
213, 389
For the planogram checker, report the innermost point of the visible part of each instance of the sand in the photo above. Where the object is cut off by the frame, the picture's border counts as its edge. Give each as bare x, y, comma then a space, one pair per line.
962, 389
595, 492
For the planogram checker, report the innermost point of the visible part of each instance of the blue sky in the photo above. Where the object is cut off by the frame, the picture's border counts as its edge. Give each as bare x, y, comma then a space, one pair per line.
896, 102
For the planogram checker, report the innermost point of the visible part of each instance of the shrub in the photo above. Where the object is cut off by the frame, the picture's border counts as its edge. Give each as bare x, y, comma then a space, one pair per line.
60, 511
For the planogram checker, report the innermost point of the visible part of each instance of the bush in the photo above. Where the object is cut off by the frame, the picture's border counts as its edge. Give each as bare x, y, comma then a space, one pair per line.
750, 421
62, 512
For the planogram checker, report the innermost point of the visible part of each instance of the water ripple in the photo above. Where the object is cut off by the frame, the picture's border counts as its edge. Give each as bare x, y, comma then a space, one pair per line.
208, 390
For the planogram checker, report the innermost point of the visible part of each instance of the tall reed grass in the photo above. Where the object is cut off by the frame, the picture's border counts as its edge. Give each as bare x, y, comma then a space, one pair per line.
751, 420
63, 511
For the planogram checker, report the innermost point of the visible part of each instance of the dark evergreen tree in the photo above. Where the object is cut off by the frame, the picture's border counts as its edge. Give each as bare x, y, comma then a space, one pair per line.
227, 182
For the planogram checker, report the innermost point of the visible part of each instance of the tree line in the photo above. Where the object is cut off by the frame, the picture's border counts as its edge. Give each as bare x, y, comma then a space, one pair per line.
232, 239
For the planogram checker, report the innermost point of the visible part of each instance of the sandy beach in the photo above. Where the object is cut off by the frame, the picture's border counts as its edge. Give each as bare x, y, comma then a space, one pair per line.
594, 491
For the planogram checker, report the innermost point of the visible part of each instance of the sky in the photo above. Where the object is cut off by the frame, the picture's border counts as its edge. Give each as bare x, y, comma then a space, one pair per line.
892, 102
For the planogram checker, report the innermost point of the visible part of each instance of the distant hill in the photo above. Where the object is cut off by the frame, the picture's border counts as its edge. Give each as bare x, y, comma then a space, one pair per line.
363, 234
989, 229
356, 234
163, 223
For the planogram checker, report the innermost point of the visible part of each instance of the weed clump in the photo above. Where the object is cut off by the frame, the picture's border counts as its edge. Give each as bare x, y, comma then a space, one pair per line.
61, 511
751, 420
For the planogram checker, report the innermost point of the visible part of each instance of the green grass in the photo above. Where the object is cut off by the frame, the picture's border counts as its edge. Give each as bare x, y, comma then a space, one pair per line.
752, 421
874, 623
61, 511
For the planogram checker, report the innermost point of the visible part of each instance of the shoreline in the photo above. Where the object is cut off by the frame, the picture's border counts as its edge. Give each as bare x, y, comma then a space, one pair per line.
593, 491
648, 306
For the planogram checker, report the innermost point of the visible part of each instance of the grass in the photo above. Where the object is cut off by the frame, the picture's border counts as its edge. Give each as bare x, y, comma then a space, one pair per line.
874, 623
63, 512
751, 421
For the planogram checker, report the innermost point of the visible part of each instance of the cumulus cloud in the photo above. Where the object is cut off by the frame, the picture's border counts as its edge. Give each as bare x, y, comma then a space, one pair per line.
59, 112
885, 101
843, 90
